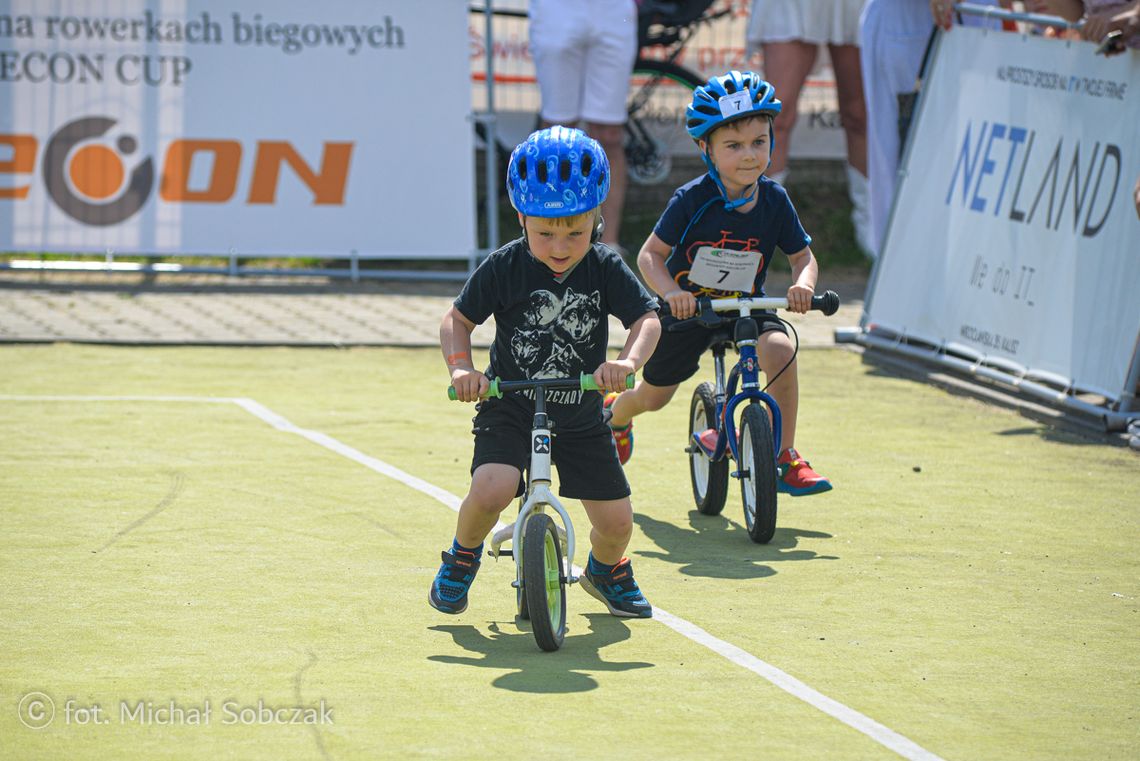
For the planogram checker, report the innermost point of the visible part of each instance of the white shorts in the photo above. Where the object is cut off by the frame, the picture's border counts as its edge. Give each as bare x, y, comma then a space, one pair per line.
583, 56
824, 22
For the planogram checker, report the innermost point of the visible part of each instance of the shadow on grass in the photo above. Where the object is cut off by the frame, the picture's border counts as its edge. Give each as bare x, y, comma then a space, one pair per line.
715, 547
531, 670
1048, 423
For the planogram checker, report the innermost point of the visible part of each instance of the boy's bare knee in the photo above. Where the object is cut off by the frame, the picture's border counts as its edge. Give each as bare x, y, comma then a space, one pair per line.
654, 398
615, 531
613, 521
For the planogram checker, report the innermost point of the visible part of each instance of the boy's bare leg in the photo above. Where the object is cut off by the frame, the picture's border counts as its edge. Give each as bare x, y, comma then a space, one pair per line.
611, 527
608, 575
493, 486
775, 350
641, 398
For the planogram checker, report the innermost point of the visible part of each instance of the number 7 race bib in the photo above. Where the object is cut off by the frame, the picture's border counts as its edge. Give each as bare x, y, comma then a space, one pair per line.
724, 269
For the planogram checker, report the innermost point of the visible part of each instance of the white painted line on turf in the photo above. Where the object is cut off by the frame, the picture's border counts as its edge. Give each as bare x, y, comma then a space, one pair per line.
328, 442
885, 736
788, 683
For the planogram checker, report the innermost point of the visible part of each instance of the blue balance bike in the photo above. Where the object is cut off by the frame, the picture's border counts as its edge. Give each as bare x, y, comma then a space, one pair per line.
714, 435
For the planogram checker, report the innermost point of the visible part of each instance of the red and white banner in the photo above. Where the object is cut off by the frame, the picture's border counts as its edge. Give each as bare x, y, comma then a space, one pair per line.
236, 126
1014, 240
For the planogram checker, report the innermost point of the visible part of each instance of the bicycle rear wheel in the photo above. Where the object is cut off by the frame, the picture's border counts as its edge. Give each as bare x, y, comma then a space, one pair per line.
655, 122
545, 582
758, 474
709, 478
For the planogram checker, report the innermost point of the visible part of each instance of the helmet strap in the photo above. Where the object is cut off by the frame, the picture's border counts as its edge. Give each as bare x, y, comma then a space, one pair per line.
729, 204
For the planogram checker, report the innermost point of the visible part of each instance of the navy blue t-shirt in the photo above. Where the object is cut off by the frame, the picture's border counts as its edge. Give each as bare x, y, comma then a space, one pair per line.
553, 327
770, 223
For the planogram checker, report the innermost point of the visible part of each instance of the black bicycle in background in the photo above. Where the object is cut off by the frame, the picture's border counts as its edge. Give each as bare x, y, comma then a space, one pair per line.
660, 88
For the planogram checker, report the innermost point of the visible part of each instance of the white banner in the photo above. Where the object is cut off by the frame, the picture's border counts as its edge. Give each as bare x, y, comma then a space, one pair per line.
244, 126
1014, 238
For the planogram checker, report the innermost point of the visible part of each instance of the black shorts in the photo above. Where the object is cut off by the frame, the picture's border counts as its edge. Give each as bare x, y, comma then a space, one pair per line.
678, 355
587, 461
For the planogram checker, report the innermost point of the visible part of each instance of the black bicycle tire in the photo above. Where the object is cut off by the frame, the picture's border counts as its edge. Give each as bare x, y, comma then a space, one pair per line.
549, 635
758, 472
710, 499
677, 73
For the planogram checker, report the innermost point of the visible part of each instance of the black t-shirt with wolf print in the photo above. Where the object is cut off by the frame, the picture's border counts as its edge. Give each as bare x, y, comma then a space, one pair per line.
549, 326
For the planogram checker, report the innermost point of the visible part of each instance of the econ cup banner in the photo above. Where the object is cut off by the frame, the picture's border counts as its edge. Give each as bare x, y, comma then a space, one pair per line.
236, 126
1014, 238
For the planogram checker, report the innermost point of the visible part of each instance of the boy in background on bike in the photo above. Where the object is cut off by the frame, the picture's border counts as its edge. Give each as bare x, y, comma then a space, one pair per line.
733, 212
550, 292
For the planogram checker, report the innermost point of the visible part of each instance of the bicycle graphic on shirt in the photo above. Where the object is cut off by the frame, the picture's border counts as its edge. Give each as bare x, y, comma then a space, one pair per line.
698, 290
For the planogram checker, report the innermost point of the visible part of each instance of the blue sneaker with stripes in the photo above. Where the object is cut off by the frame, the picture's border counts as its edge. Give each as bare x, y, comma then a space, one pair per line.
450, 586
617, 589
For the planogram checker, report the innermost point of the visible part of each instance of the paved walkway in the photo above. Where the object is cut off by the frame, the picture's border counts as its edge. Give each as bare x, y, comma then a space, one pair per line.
130, 308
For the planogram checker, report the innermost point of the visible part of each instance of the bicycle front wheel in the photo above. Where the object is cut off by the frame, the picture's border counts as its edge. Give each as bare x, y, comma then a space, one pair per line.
660, 92
758, 474
545, 582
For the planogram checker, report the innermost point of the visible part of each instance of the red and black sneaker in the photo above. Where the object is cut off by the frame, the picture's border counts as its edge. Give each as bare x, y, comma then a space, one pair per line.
796, 476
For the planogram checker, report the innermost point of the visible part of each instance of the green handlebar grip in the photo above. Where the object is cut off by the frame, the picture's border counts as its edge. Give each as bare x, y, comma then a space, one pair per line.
588, 383
585, 380
492, 390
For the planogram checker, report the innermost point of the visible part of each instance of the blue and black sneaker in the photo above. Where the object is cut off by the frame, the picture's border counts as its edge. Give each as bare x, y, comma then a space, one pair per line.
449, 588
617, 589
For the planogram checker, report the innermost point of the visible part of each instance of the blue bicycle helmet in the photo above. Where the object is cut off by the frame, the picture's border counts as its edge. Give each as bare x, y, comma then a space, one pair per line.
558, 172
727, 98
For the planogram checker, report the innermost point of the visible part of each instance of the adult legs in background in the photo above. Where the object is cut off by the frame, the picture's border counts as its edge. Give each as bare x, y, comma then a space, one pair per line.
853, 116
894, 34
583, 55
612, 137
786, 67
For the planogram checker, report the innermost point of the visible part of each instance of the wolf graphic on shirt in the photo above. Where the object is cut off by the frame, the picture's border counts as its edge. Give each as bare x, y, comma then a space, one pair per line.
545, 345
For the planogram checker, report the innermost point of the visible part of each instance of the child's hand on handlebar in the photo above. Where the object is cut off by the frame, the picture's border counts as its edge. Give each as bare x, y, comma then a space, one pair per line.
611, 374
681, 303
470, 385
799, 298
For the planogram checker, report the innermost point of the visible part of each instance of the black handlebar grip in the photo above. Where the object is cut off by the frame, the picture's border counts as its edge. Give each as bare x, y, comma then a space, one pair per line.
827, 302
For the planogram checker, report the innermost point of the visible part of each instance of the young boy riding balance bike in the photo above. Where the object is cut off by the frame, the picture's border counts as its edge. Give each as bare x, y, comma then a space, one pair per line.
550, 293
716, 238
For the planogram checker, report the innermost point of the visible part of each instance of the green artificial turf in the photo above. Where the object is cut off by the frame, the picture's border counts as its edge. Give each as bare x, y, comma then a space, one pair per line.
971, 583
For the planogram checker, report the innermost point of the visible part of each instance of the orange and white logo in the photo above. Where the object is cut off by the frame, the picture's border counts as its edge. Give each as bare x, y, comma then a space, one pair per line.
91, 171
